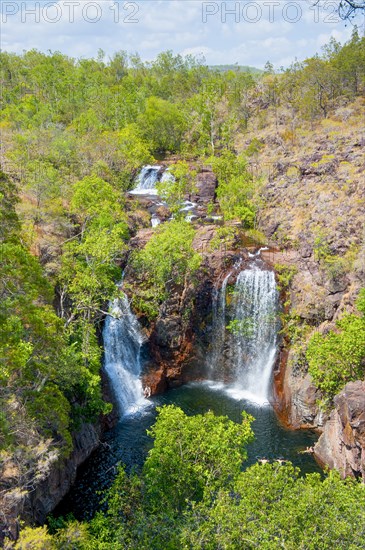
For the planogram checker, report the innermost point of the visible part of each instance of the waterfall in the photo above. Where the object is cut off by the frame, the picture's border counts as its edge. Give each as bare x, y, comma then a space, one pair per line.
122, 346
155, 220
146, 181
214, 362
243, 357
254, 339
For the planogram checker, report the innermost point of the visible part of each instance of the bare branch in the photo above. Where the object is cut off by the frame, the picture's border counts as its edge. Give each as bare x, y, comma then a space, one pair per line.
347, 9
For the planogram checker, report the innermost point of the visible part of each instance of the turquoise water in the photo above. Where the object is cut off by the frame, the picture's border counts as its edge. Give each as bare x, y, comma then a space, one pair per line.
128, 442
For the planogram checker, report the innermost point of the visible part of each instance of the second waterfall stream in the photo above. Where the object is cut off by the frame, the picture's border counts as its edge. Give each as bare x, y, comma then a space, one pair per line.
123, 341
248, 350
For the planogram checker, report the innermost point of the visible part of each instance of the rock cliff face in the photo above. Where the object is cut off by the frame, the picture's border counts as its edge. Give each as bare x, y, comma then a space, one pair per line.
180, 337
314, 211
318, 303
49, 492
342, 443
34, 504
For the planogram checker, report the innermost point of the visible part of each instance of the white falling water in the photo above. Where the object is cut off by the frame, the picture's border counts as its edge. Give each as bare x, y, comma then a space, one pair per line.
155, 220
254, 342
122, 346
146, 181
167, 176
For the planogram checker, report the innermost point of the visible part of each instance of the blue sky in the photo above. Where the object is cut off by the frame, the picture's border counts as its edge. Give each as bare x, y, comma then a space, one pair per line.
244, 32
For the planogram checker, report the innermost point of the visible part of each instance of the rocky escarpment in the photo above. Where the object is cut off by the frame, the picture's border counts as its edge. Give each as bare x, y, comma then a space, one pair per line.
40, 498
342, 443
33, 496
316, 300
314, 211
49, 492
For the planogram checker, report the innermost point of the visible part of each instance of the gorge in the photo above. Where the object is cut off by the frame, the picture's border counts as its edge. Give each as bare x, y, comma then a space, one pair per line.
193, 242
229, 370
227, 367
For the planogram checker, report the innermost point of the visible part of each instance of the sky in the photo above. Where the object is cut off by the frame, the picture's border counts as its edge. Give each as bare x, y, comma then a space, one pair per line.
244, 32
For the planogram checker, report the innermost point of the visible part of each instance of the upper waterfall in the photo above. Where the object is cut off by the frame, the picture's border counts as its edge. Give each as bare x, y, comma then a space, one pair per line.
146, 180
148, 177
122, 346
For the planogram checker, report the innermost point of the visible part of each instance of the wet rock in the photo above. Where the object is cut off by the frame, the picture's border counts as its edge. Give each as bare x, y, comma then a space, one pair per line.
168, 332
154, 380
295, 397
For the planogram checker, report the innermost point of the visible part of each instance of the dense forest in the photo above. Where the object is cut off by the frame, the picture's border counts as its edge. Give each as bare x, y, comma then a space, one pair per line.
75, 133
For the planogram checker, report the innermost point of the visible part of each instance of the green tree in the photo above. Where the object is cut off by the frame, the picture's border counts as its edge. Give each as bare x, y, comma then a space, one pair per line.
193, 456
89, 264
163, 124
271, 507
236, 188
338, 357
180, 185
37, 539
167, 259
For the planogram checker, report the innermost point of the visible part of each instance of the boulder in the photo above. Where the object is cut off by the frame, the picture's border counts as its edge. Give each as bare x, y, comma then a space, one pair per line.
295, 396
342, 443
206, 183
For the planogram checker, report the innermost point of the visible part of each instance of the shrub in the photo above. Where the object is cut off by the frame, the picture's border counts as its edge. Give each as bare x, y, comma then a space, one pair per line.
338, 357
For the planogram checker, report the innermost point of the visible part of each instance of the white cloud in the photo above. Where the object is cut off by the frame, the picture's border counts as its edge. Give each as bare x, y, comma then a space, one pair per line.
166, 24
339, 35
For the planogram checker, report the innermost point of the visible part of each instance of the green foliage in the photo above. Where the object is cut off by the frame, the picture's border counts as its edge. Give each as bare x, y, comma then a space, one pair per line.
89, 264
333, 265
37, 539
285, 275
9, 223
192, 493
338, 357
48, 380
163, 124
254, 147
257, 236
224, 237
194, 455
168, 258
272, 508
181, 184
32, 341
236, 188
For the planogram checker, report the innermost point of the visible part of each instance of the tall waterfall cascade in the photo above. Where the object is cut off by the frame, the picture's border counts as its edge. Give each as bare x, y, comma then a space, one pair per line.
255, 338
123, 340
245, 354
